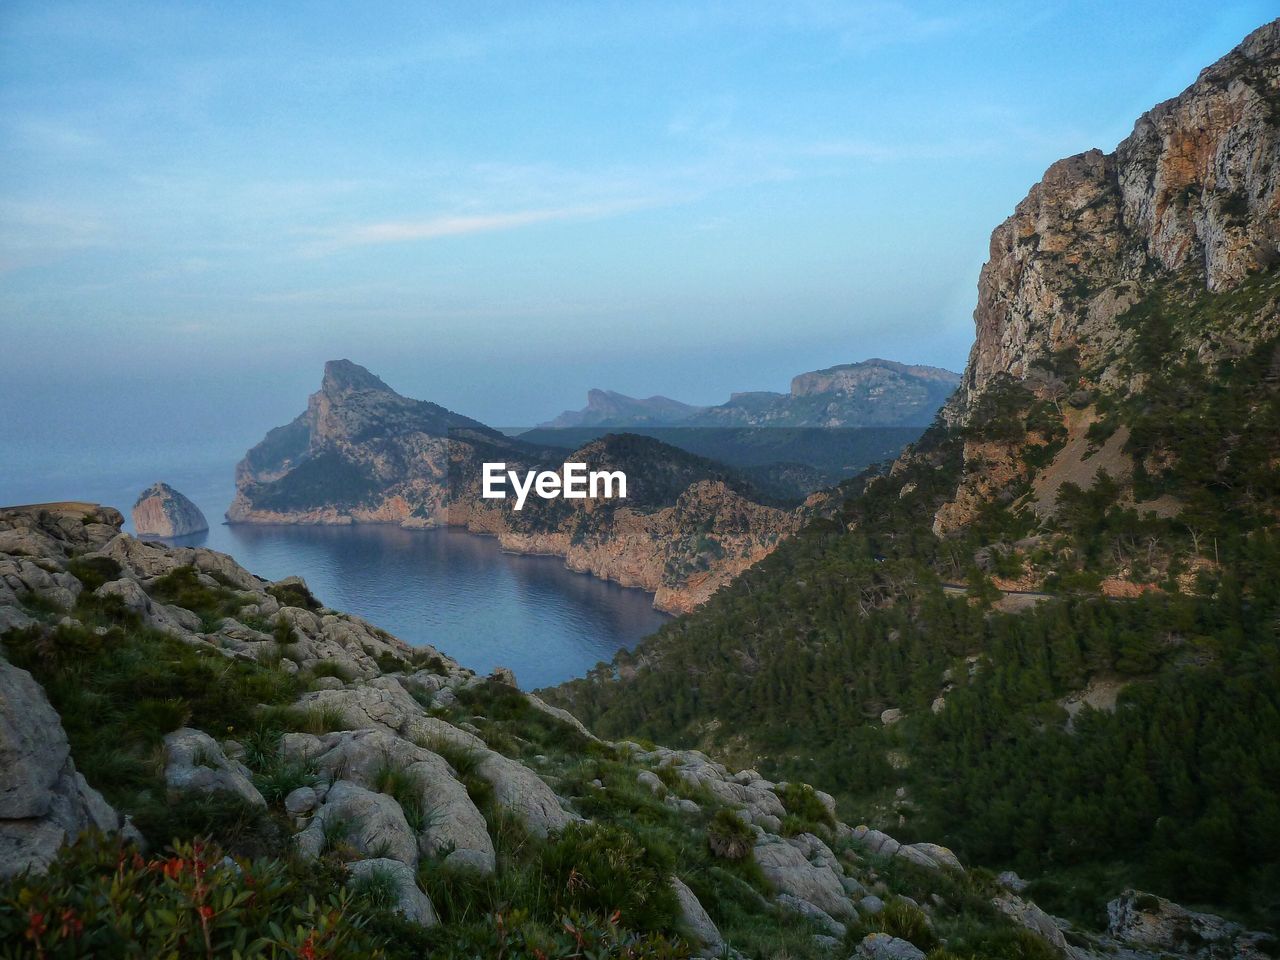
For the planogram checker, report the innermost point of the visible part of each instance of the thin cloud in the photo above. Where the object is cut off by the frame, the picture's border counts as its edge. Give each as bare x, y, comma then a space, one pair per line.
457, 225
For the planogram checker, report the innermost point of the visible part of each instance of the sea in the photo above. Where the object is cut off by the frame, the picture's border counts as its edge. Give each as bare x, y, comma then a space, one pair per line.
457, 591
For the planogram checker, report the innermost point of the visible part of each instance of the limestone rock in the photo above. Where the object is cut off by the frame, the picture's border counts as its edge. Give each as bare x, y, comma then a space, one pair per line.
44, 801
360, 756
411, 903
194, 763
1027, 914
870, 905
881, 946
786, 868
695, 919
161, 511
301, 801
33, 746
1151, 922
371, 824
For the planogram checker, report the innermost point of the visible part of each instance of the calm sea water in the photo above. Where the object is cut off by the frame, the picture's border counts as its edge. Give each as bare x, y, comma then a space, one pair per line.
462, 593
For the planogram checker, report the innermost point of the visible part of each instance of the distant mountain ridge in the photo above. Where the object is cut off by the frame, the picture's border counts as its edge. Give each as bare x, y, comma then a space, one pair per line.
870, 393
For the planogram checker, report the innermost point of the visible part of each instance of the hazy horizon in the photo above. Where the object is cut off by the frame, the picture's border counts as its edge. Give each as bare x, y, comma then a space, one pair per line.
497, 210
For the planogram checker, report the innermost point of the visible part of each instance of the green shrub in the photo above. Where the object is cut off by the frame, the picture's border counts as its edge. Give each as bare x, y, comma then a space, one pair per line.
729, 836
182, 587
330, 668
603, 869
93, 572
294, 594
101, 899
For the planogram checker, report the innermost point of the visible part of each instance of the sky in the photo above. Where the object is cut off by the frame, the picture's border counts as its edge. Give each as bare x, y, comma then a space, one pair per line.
498, 206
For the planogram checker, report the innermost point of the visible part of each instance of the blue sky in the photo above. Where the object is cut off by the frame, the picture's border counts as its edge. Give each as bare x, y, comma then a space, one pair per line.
497, 206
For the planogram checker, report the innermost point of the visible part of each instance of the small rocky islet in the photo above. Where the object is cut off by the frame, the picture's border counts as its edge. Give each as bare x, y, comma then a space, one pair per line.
161, 511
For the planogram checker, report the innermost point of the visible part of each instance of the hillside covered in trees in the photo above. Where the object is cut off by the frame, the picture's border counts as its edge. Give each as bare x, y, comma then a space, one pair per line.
1050, 631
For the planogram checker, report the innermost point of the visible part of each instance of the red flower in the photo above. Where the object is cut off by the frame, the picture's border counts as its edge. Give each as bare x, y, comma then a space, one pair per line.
206, 912
36, 926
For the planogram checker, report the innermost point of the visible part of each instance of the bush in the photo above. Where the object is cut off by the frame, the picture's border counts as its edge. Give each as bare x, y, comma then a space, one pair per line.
728, 836
93, 572
605, 870
102, 899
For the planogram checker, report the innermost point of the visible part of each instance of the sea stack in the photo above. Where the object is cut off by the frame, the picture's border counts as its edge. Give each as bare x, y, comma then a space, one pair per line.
162, 511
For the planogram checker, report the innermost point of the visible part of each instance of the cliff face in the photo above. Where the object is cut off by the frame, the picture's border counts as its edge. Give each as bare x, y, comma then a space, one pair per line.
1193, 190
361, 453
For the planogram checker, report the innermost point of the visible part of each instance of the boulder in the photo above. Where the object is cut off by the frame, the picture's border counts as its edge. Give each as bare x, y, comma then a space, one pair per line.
697, 923
516, 788
411, 903
44, 801
301, 801
870, 905
647, 778
360, 756
371, 824
194, 763
881, 946
876, 842
1027, 914
1151, 922
786, 868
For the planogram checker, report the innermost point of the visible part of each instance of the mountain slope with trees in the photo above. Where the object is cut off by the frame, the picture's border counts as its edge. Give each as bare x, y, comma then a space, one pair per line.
1050, 631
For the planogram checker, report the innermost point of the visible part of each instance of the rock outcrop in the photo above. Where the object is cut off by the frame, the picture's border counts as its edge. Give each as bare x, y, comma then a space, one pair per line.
1195, 187
162, 511
44, 801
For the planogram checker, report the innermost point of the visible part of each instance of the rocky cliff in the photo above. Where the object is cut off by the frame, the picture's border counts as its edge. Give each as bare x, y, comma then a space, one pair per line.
1121, 279
361, 453
1192, 192
161, 511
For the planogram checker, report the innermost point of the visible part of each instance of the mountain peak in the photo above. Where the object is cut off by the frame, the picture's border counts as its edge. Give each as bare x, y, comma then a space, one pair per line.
343, 376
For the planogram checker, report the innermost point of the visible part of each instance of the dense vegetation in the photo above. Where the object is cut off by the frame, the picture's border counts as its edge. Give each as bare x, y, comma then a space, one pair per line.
1175, 788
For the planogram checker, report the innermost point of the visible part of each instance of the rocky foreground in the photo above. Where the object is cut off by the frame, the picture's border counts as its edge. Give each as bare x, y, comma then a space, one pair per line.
399, 776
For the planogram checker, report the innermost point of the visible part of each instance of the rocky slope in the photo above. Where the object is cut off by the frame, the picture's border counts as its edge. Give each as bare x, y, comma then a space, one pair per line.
362, 453
871, 393
161, 511
379, 760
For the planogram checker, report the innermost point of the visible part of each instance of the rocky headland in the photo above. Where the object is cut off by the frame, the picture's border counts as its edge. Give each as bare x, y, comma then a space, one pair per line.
362, 453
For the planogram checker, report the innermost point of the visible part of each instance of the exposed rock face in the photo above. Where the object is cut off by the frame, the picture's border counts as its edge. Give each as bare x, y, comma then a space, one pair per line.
44, 802
194, 763
362, 453
1193, 188
1153, 923
162, 511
